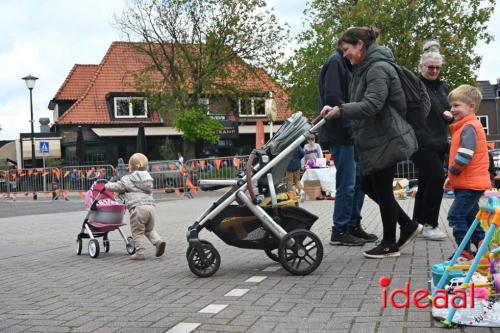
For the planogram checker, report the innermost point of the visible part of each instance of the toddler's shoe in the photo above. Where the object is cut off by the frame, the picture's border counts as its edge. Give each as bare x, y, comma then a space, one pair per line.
137, 256
160, 248
465, 256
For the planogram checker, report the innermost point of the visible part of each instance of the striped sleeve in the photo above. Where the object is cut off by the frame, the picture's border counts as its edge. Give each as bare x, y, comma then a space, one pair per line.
467, 147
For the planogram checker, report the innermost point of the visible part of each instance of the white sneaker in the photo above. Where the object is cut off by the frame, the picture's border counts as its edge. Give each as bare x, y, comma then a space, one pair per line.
302, 196
433, 233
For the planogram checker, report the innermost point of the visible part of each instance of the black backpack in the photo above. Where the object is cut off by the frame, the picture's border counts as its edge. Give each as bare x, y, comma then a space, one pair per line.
418, 103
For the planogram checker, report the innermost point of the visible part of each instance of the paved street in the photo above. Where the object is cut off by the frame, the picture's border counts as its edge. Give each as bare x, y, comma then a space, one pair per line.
46, 287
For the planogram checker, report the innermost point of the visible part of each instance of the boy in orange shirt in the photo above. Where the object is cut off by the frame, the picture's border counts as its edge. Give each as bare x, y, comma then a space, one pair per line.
468, 164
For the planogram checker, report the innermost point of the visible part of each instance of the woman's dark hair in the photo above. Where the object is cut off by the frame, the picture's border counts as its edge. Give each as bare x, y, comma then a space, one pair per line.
352, 35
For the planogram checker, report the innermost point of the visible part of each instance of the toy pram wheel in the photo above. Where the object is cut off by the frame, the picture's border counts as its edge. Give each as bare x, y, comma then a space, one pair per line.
78, 246
94, 248
130, 246
204, 267
106, 245
300, 252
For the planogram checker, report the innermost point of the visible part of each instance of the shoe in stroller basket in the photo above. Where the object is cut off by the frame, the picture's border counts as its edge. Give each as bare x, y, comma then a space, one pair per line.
241, 220
104, 215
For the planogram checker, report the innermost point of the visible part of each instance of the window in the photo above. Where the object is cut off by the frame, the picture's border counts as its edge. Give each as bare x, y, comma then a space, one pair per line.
484, 123
205, 103
498, 93
252, 106
131, 107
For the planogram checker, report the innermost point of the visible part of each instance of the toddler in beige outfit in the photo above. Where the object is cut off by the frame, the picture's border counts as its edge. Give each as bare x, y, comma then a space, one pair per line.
136, 188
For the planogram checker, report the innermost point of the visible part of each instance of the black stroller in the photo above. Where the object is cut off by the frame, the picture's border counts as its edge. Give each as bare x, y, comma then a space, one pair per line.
282, 231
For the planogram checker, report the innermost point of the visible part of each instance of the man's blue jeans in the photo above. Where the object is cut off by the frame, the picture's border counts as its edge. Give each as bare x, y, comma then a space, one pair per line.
461, 215
348, 197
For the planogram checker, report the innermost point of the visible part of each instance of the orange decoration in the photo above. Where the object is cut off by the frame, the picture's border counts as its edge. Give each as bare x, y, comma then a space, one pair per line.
67, 173
217, 164
202, 164
236, 162
81, 194
157, 168
177, 191
14, 196
171, 167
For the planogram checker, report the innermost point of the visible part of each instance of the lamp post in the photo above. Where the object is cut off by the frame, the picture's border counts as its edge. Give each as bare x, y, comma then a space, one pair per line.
30, 83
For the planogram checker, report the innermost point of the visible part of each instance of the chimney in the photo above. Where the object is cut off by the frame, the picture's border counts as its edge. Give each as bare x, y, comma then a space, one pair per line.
44, 125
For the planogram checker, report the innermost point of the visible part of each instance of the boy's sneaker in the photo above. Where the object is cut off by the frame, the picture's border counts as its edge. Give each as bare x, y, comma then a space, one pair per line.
407, 235
160, 248
344, 237
464, 257
433, 233
383, 250
137, 256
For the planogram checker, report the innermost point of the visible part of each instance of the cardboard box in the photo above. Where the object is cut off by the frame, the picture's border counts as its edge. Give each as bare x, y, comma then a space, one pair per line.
312, 192
312, 188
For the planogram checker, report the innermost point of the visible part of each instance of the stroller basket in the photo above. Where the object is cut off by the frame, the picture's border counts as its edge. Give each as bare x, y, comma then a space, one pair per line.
238, 226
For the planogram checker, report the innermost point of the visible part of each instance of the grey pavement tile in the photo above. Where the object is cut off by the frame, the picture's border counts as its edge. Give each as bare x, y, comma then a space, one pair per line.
114, 294
15, 329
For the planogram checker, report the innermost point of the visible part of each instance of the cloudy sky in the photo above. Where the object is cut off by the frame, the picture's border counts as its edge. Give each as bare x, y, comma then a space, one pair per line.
46, 38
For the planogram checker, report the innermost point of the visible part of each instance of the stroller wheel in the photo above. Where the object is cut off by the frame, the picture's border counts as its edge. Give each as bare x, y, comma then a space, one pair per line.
273, 256
190, 247
204, 264
78, 246
300, 252
94, 248
130, 246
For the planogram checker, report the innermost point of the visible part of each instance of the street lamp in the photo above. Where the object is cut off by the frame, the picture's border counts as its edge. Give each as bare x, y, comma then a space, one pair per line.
30, 83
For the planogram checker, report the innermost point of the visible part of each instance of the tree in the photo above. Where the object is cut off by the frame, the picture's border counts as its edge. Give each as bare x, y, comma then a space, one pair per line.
197, 48
404, 26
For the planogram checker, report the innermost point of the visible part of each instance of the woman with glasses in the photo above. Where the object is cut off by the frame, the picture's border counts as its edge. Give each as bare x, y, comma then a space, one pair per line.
312, 150
433, 145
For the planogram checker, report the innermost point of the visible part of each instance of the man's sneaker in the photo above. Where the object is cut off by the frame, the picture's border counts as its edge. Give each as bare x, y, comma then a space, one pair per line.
383, 250
407, 235
160, 248
433, 233
357, 231
137, 256
344, 237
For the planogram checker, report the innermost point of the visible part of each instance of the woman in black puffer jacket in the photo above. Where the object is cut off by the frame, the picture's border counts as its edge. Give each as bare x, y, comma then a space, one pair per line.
433, 145
382, 136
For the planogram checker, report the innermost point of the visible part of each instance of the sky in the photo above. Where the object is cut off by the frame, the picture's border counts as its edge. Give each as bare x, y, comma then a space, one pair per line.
45, 38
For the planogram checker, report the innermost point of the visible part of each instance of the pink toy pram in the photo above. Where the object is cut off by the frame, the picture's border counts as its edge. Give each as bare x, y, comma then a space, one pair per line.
104, 215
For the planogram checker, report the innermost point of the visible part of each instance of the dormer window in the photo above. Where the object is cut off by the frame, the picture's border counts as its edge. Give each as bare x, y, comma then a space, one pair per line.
130, 107
252, 107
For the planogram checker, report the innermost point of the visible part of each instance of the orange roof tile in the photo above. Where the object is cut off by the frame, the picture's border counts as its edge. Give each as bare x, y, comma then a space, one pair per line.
76, 82
115, 74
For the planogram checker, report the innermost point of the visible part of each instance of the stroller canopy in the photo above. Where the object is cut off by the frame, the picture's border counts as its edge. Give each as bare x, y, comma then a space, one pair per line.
291, 129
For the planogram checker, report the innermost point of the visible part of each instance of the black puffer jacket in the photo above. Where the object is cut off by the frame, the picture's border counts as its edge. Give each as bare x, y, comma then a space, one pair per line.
434, 136
334, 81
377, 109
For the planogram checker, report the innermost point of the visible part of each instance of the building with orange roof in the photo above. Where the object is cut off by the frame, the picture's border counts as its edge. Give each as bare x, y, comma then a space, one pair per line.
103, 99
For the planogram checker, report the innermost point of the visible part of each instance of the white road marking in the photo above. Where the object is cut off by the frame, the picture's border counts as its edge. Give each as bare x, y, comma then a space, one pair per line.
213, 308
237, 292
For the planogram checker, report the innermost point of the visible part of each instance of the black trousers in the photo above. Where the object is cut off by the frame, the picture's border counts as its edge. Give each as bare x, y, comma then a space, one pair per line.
378, 186
430, 186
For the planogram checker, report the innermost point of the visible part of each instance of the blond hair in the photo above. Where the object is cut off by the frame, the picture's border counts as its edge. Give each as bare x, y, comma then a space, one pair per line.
138, 161
467, 94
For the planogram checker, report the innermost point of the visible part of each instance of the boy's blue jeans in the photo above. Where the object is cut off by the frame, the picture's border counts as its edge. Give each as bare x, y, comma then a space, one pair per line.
349, 197
461, 215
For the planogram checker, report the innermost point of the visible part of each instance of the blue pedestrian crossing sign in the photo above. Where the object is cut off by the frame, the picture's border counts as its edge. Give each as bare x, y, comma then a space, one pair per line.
44, 147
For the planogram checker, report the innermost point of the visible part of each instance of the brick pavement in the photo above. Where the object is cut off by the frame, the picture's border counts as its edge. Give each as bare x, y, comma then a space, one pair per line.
45, 287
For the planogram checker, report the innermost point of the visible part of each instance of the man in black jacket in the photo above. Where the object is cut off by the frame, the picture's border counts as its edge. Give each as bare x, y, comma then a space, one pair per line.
334, 81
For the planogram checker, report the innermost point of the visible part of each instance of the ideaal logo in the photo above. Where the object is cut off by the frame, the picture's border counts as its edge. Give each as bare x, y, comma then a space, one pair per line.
420, 297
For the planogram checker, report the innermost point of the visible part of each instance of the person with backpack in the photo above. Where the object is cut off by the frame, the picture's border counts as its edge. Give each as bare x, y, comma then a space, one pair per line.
336, 135
432, 144
382, 136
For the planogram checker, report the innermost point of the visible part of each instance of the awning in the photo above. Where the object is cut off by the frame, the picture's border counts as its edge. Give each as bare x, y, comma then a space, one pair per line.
132, 131
166, 131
